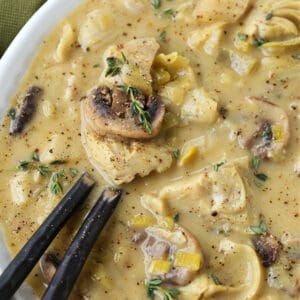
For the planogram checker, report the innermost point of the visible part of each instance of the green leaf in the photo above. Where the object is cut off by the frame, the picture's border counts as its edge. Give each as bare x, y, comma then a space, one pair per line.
163, 36
269, 16
218, 165
242, 36
297, 56
169, 13
260, 229
57, 162
155, 282
261, 176
113, 66
55, 186
255, 161
176, 154
43, 170
23, 165
259, 184
174, 292
259, 41
176, 217
156, 4
215, 279
35, 156
12, 114
73, 172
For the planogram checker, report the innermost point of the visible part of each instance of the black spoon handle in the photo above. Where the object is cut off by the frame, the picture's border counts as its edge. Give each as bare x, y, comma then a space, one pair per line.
68, 271
23, 263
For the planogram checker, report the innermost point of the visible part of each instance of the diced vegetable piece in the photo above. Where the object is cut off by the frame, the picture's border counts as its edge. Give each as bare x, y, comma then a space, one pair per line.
278, 133
189, 156
167, 223
191, 261
159, 266
141, 221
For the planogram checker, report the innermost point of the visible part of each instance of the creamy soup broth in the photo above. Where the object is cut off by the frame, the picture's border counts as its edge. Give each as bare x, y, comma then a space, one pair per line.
229, 62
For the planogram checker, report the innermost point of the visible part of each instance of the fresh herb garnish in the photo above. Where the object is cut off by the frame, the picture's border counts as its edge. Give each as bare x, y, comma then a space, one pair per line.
153, 286
261, 176
137, 107
43, 170
156, 3
258, 184
96, 66
169, 13
163, 36
55, 186
23, 165
73, 172
297, 56
260, 229
114, 65
176, 154
57, 162
215, 279
12, 114
269, 16
259, 41
218, 165
255, 162
35, 156
176, 217
242, 36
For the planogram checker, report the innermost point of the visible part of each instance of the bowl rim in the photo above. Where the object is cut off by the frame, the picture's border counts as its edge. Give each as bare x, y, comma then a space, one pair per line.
13, 66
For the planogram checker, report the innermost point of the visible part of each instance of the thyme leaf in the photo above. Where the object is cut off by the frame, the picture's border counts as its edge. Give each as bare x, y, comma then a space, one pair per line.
55, 186
57, 162
73, 172
261, 176
269, 16
154, 285
215, 279
114, 65
35, 156
43, 170
12, 114
137, 107
156, 4
218, 165
23, 165
260, 229
169, 13
259, 41
176, 218
163, 36
176, 154
242, 36
255, 162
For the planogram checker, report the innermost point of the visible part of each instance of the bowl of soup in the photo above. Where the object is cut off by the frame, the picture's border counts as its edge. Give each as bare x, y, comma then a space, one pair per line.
193, 108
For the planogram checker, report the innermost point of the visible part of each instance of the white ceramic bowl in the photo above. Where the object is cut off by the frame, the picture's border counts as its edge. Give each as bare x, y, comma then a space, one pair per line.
13, 66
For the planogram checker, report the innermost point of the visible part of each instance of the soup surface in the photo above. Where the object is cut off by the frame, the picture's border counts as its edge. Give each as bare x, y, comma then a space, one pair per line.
193, 107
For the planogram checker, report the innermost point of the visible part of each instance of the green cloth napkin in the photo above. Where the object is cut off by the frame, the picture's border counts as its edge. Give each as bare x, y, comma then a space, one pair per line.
13, 15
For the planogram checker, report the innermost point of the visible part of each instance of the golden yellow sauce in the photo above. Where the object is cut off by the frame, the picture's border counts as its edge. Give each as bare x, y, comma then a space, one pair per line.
115, 268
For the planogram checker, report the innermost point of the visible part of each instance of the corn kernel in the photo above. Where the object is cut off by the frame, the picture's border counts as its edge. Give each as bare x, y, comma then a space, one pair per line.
159, 266
242, 45
141, 221
167, 223
161, 76
191, 261
278, 133
188, 156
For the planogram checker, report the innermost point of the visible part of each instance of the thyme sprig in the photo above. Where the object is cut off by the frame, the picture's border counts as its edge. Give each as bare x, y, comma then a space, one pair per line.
137, 107
114, 65
154, 285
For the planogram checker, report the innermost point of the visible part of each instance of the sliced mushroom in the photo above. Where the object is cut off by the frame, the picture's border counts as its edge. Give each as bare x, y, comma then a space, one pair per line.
163, 245
268, 248
285, 274
265, 129
108, 112
48, 264
26, 110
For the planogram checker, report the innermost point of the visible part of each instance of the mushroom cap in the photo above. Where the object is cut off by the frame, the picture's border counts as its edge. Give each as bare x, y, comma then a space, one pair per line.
108, 113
